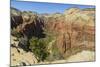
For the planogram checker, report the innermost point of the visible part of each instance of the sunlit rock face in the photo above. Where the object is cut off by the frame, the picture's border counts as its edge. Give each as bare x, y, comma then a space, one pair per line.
19, 56
68, 27
75, 28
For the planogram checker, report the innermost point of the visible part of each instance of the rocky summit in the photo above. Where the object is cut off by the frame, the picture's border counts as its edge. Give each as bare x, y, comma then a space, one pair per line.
41, 38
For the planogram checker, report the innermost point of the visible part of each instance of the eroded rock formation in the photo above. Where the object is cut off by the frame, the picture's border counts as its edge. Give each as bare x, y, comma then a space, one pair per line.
74, 28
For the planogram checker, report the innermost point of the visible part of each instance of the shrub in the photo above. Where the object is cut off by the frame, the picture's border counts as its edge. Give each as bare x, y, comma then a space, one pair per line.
39, 48
55, 55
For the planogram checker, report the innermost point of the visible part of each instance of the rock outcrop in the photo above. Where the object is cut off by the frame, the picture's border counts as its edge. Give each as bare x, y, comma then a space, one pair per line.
74, 28
19, 56
16, 18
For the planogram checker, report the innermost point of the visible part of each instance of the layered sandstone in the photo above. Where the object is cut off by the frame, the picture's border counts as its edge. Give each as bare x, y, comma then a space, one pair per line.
75, 28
